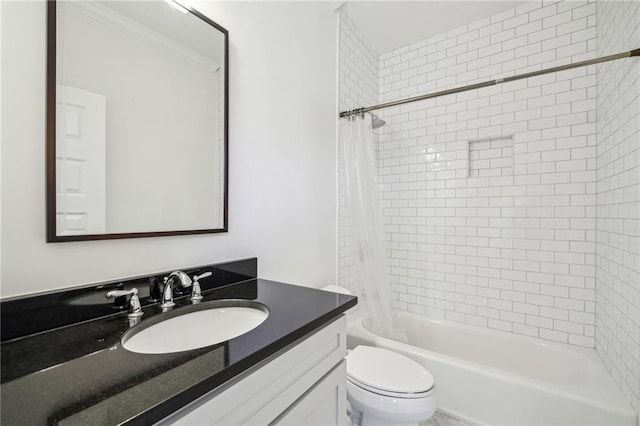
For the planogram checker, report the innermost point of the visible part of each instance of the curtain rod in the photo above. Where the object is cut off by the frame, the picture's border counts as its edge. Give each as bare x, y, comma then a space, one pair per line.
629, 54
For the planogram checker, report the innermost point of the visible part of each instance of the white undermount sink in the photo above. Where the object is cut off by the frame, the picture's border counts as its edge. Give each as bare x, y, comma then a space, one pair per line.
195, 326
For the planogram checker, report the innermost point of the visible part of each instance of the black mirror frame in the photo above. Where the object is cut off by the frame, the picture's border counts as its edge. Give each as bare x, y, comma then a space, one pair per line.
51, 224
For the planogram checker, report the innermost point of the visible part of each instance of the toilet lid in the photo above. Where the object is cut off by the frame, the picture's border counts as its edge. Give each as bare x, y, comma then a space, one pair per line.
387, 371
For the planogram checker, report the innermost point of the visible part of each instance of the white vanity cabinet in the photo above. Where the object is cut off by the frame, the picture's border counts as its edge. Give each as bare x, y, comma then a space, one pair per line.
303, 384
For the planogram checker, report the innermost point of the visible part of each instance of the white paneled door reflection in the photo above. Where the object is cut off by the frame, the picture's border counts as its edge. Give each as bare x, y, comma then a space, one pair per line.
80, 162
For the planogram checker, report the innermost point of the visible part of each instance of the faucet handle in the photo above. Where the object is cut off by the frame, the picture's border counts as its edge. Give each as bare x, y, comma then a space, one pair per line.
135, 310
205, 275
119, 293
196, 295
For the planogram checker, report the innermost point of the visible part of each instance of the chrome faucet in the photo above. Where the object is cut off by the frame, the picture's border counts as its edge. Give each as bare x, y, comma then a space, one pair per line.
167, 291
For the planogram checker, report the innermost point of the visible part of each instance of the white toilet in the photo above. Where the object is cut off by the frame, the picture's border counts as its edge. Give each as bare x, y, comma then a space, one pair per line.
385, 388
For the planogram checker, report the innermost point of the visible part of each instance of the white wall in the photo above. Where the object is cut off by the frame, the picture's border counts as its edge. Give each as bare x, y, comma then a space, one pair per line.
282, 150
618, 198
1, 129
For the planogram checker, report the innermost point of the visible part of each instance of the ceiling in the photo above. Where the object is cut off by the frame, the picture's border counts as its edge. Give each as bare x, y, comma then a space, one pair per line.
387, 25
185, 29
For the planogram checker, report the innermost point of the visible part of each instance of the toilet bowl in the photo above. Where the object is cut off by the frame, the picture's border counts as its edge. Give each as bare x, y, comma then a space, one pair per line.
384, 387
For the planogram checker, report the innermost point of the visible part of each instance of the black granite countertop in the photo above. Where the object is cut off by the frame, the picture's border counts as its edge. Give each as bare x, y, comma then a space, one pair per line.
79, 373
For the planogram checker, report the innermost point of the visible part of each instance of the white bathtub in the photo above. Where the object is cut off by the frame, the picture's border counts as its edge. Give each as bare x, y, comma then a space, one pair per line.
491, 377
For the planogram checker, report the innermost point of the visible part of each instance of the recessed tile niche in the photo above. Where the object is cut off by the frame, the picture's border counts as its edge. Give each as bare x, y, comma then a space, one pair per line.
489, 157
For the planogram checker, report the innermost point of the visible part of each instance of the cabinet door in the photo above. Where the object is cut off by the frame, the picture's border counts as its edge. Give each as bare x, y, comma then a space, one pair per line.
324, 404
261, 395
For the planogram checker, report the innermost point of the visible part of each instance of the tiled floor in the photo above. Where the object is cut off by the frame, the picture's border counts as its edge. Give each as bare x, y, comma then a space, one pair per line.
440, 419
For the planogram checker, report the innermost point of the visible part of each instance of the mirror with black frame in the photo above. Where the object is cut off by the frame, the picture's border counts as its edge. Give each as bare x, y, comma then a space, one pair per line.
137, 117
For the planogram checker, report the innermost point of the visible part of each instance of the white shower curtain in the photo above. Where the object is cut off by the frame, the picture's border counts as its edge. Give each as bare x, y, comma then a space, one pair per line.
365, 251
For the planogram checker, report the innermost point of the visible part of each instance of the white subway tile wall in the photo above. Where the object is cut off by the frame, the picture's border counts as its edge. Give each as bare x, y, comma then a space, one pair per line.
618, 198
357, 87
358, 67
488, 196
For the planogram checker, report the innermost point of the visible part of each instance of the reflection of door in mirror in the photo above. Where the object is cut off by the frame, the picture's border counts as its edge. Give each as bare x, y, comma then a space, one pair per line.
80, 158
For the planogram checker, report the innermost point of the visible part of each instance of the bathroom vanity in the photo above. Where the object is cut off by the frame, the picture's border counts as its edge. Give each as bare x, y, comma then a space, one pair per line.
63, 361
